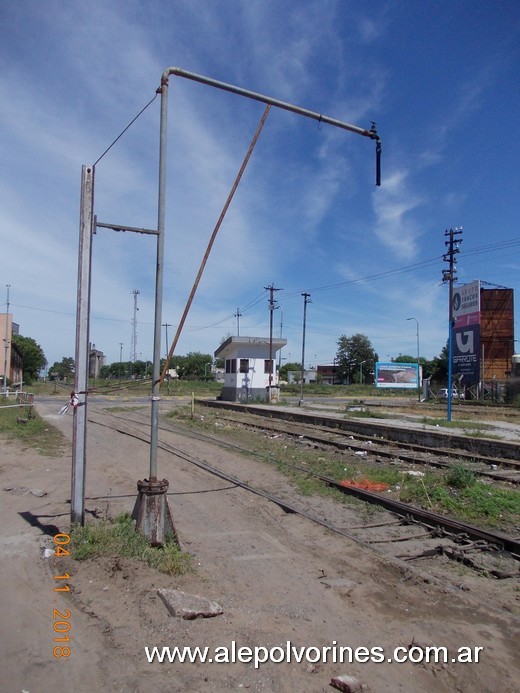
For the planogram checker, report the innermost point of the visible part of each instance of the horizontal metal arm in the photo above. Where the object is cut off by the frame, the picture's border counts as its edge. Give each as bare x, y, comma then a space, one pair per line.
372, 134
116, 227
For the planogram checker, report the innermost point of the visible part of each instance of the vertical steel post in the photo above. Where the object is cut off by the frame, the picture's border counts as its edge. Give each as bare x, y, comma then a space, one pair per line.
79, 396
151, 511
161, 207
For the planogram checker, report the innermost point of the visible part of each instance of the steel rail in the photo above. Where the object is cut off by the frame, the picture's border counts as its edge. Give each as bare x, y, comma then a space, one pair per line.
509, 450
425, 517
428, 518
393, 452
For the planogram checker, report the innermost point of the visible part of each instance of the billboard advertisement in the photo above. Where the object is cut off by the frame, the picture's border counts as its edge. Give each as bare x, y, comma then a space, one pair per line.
397, 375
466, 332
466, 353
466, 304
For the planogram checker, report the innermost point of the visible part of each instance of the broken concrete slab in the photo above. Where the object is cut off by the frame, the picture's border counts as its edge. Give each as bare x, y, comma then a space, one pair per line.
345, 683
38, 492
338, 582
189, 606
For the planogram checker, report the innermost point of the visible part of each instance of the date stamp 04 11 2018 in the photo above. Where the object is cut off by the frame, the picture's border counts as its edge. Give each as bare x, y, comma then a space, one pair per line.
61, 620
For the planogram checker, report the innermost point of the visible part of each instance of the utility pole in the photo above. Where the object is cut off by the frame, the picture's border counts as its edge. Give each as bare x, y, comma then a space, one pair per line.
449, 276
120, 360
306, 299
280, 352
166, 364
272, 307
80, 394
6, 340
167, 325
238, 315
133, 353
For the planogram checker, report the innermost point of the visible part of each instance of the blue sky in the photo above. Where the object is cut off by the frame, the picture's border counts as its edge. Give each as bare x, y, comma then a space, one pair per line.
439, 78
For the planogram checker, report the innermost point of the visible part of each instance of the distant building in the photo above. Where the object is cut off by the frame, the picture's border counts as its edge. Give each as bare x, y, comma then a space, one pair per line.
250, 368
10, 355
327, 374
310, 375
96, 360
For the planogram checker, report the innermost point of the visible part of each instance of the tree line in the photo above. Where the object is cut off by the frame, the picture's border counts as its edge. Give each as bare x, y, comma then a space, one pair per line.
354, 363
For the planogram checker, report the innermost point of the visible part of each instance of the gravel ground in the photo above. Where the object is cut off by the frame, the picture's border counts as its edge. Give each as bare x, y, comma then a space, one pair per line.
277, 577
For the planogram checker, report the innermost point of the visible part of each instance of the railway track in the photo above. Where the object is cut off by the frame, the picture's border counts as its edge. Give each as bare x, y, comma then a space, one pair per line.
401, 530
496, 468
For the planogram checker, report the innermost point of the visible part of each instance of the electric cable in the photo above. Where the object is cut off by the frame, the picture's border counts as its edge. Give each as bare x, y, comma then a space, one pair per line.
127, 127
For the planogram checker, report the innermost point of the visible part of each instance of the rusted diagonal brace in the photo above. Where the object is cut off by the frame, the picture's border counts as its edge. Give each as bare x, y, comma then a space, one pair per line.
212, 240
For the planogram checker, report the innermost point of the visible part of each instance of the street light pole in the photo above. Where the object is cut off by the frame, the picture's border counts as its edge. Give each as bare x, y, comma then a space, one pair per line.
120, 360
418, 362
361, 372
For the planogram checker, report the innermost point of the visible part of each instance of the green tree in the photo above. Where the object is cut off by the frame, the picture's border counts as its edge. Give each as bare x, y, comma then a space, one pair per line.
405, 358
355, 358
291, 366
64, 369
33, 358
438, 366
193, 366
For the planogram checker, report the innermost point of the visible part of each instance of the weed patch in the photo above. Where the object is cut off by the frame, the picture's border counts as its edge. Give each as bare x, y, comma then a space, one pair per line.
118, 538
34, 433
469, 499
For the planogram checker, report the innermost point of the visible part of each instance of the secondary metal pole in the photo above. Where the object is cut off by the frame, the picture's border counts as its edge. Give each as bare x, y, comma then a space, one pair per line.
79, 396
151, 511
161, 209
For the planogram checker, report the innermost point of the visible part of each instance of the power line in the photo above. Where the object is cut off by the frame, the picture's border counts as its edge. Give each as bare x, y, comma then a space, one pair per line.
127, 127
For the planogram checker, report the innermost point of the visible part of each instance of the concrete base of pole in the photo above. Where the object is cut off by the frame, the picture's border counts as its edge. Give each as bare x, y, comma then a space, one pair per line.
152, 512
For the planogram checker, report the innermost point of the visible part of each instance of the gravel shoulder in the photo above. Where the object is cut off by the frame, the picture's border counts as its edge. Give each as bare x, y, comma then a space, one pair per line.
277, 577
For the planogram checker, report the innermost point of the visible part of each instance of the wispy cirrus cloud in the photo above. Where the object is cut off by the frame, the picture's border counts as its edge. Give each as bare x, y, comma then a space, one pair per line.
394, 204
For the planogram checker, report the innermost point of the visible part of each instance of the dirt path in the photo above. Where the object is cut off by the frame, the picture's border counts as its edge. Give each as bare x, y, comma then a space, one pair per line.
264, 567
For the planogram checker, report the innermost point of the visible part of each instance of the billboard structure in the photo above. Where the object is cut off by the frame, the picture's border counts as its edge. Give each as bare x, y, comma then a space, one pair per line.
397, 375
483, 333
466, 332
497, 333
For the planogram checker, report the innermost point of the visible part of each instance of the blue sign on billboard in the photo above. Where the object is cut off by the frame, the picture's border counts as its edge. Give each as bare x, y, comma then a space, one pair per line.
466, 353
401, 375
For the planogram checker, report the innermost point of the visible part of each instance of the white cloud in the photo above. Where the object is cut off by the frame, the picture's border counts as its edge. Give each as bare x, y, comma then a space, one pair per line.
395, 226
